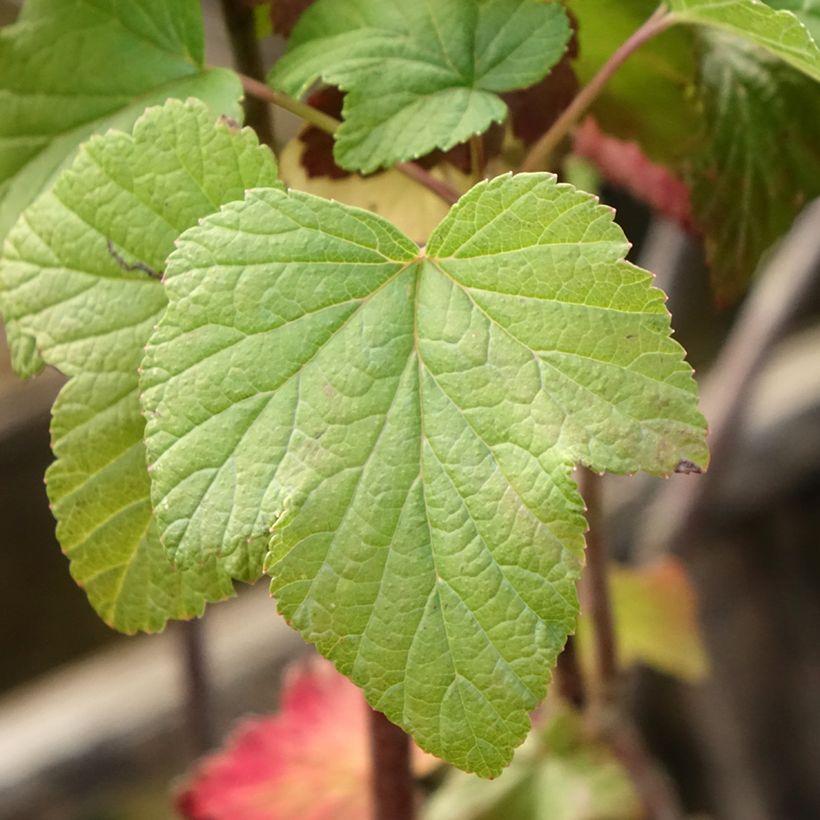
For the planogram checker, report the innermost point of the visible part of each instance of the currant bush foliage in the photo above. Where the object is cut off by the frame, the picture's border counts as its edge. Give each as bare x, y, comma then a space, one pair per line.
407, 422
419, 76
388, 431
66, 282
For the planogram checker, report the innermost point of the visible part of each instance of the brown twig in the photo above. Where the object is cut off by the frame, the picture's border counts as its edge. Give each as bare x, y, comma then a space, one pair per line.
239, 24
477, 160
197, 686
391, 777
653, 785
539, 155
329, 124
595, 594
569, 679
781, 289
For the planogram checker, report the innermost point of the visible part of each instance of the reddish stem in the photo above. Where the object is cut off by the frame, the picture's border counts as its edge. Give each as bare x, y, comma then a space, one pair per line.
595, 588
539, 155
392, 779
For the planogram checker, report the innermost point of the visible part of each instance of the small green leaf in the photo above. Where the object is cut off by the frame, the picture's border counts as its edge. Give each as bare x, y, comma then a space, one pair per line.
71, 68
760, 161
419, 76
779, 32
90, 306
407, 422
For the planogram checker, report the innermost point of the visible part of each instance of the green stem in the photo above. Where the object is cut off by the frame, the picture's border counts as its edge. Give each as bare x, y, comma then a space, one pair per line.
541, 152
324, 122
255, 88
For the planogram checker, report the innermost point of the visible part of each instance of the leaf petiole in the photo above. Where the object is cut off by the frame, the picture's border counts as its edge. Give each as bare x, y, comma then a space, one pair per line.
539, 155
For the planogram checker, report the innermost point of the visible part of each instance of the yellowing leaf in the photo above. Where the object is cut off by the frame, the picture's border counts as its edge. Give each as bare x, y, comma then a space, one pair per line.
656, 621
411, 208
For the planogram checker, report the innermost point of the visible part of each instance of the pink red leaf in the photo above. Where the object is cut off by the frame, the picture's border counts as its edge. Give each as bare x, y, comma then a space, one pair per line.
310, 761
624, 164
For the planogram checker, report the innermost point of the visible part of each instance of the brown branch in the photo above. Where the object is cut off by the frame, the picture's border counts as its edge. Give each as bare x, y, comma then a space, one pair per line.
788, 279
477, 159
539, 155
329, 124
391, 778
653, 785
595, 593
569, 680
198, 699
239, 24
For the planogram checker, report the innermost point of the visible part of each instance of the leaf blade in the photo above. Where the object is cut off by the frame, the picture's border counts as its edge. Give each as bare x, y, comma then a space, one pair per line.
66, 287
419, 77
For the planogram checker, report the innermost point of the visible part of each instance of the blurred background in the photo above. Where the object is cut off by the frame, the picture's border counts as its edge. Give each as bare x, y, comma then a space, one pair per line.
92, 723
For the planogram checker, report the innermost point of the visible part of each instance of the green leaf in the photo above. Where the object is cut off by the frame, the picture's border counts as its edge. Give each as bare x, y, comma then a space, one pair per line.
779, 32
91, 310
807, 11
760, 162
419, 76
71, 68
407, 421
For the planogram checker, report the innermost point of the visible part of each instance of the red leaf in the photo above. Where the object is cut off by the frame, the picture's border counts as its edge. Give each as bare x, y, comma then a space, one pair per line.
310, 761
317, 158
624, 164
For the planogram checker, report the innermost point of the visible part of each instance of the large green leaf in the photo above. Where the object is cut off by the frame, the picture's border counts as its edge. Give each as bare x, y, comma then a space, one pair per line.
778, 31
419, 75
407, 421
90, 316
69, 68
760, 161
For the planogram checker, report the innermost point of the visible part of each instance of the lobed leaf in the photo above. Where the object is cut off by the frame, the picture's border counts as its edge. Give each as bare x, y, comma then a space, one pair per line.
779, 31
70, 68
419, 76
90, 307
407, 422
